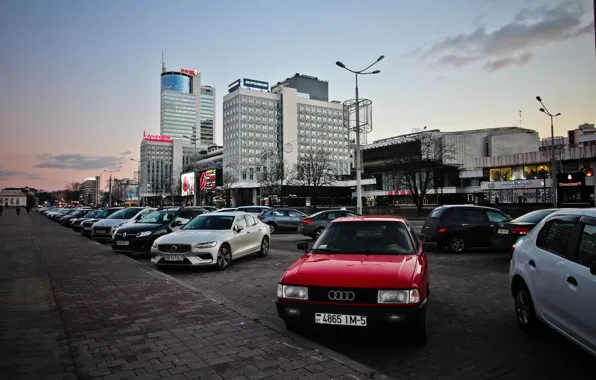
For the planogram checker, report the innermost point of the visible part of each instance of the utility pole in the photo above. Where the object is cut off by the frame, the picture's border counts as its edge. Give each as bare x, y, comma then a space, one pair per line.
110, 184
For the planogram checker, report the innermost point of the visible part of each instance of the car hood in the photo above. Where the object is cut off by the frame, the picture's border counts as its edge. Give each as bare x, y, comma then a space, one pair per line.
109, 222
138, 227
91, 221
195, 236
362, 271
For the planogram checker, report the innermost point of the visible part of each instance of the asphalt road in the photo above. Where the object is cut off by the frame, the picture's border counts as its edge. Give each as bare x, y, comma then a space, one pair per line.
472, 329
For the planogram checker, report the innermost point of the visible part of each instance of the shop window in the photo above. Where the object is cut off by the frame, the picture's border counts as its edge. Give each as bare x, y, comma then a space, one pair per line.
536, 171
500, 174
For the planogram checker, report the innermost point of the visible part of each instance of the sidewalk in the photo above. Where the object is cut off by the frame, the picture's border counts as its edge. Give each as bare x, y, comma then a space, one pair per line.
115, 319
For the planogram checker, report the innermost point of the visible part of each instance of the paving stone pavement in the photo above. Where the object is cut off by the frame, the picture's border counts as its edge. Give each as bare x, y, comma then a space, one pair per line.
124, 321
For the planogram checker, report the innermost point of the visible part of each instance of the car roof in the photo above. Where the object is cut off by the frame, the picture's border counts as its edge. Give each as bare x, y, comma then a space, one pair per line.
591, 212
371, 218
470, 206
265, 207
228, 213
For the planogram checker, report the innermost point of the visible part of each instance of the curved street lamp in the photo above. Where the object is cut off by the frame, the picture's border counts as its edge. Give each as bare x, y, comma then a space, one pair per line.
110, 185
357, 145
553, 171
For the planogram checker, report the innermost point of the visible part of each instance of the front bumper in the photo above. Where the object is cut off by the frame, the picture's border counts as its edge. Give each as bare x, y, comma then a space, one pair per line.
101, 233
504, 242
132, 244
196, 257
303, 313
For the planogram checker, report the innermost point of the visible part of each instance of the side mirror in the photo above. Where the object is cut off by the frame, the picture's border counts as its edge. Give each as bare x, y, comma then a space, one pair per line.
302, 246
429, 247
177, 223
237, 228
593, 268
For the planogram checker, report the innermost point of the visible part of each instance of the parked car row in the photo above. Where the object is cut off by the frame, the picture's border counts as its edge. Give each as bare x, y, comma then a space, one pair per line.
173, 236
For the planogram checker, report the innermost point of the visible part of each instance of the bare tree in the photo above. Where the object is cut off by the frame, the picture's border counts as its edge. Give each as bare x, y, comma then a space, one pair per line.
73, 191
229, 178
427, 170
314, 170
275, 174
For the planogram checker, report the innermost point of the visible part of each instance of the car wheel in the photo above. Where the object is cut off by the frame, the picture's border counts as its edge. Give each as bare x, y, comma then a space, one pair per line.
457, 244
264, 247
524, 309
224, 257
417, 329
294, 327
272, 228
318, 232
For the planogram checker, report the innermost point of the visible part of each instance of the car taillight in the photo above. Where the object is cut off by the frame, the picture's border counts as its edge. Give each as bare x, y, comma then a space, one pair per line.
306, 221
512, 249
519, 231
443, 230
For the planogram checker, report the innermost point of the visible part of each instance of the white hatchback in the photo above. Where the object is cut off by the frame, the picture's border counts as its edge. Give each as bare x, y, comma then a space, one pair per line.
553, 276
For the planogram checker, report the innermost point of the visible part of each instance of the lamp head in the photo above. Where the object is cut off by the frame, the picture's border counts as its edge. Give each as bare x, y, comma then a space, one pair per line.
559, 114
542, 110
376, 72
381, 57
338, 63
539, 98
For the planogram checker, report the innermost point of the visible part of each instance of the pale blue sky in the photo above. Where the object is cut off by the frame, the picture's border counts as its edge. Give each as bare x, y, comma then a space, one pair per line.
81, 78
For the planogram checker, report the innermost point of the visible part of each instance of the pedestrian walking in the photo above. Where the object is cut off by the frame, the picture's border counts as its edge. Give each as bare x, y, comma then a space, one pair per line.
1, 209
28, 209
18, 210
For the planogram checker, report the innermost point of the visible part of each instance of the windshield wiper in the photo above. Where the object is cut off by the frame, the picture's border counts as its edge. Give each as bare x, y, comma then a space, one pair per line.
325, 250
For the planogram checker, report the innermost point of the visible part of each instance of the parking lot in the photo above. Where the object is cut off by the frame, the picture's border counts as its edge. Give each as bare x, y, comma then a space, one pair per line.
472, 329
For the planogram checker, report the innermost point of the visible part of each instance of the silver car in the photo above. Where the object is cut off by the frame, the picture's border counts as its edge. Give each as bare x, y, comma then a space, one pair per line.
104, 229
213, 239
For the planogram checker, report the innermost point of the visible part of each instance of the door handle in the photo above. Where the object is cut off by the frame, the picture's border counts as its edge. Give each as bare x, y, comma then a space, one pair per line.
572, 280
532, 263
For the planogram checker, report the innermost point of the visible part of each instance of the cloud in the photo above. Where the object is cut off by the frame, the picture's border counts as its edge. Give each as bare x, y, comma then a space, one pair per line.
127, 153
513, 43
77, 162
8, 173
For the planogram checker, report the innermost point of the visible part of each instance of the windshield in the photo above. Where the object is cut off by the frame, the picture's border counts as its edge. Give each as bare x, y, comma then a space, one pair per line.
92, 214
379, 238
159, 217
436, 213
533, 217
78, 213
126, 213
210, 222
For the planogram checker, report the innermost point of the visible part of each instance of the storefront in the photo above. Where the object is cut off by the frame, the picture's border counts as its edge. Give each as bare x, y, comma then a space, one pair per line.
518, 191
573, 190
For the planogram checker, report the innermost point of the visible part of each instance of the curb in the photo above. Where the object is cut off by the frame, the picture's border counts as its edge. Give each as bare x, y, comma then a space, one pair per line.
231, 305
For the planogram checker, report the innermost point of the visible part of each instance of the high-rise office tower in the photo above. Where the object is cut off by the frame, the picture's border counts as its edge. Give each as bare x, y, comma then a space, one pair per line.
207, 119
180, 104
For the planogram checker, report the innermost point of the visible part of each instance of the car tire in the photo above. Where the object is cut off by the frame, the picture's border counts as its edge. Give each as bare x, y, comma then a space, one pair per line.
524, 309
264, 247
294, 327
272, 228
318, 233
457, 244
224, 257
417, 329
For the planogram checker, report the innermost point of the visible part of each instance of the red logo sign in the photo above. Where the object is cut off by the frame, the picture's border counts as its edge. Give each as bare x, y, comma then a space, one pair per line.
156, 138
189, 72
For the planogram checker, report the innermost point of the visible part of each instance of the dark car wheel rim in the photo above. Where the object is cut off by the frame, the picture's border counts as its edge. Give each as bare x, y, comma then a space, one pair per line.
457, 244
223, 257
271, 228
265, 246
522, 307
318, 233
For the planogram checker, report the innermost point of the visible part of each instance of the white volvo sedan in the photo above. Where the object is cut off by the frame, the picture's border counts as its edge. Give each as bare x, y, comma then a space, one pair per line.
213, 239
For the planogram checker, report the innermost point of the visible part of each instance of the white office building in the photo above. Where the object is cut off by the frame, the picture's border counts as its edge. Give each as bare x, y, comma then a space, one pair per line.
284, 122
207, 115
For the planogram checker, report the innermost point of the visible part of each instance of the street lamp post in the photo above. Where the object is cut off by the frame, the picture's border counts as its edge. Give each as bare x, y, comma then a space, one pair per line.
357, 146
552, 148
139, 181
110, 184
194, 185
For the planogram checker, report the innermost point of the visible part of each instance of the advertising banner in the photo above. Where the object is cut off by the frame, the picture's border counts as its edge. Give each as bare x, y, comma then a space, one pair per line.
251, 83
187, 183
234, 86
208, 179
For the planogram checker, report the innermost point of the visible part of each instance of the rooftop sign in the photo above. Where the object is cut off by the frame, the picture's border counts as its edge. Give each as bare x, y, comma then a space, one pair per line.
156, 138
189, 72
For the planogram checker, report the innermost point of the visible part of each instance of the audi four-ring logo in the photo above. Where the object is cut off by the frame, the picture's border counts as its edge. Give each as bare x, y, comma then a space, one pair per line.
336, 295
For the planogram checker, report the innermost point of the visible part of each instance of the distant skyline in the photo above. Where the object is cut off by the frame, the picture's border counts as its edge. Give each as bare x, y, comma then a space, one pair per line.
80, 80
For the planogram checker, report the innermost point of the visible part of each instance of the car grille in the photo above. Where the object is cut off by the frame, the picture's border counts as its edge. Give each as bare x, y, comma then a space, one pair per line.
101, 230
174, 248
360, 295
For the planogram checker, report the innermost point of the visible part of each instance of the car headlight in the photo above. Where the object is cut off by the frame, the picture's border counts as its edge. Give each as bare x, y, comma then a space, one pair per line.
154, 245
117, 225
398, 296
292, 292
144, 233
209, 244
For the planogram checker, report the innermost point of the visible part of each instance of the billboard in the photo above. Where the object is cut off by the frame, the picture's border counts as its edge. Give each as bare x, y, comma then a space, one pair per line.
234, 85
187, 183
251, 83
208, 179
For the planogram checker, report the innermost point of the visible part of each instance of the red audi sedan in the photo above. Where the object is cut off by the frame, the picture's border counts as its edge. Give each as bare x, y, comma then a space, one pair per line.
362, 272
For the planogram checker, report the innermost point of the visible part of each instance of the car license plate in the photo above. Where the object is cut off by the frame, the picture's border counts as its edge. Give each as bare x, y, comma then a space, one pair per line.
340, 319
122, 242
503, 231
174, 258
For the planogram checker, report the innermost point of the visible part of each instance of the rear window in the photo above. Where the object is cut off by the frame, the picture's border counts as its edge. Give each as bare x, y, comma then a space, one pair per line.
379, 238
533, 217
126, 213
436, 213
